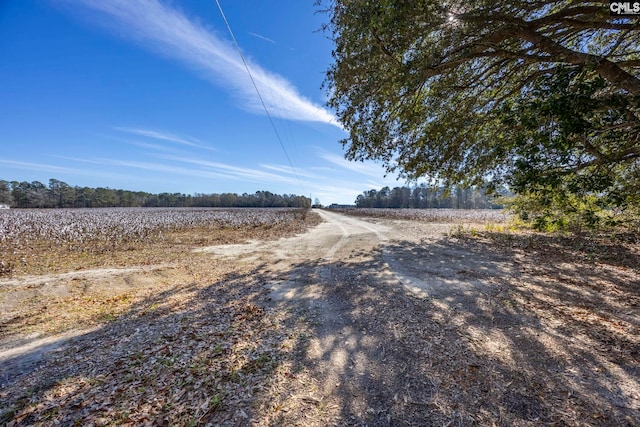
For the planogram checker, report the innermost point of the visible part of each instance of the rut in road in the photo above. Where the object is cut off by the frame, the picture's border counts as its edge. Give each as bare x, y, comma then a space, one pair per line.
411, 327
341, 348
341, 276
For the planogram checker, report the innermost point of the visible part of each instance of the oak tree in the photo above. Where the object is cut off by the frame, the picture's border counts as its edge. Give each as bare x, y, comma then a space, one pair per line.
533, 93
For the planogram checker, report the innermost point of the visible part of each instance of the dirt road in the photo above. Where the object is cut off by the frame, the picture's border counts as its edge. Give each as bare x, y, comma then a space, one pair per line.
401, 323
412, 327
340, 277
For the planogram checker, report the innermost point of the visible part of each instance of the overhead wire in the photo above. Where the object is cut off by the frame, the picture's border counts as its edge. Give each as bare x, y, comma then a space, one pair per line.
255, 86
282, 124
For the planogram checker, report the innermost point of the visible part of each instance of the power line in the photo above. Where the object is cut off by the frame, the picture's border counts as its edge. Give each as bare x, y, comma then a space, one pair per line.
255, 86
282, 124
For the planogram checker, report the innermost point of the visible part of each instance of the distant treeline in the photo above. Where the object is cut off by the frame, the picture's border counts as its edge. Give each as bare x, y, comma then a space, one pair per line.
423, 197
59, 194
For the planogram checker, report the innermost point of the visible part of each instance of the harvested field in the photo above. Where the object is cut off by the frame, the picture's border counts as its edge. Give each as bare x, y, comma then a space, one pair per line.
43, 241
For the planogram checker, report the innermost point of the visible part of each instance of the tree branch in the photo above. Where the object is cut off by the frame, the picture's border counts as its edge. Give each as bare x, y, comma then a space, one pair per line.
607, 69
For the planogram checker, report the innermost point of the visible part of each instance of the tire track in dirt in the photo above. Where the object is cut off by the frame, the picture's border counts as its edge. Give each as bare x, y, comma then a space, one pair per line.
302, 273
309, 275
99, 273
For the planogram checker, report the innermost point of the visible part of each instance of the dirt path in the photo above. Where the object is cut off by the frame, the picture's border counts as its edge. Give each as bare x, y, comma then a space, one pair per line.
399, 323
302, 274
411, 327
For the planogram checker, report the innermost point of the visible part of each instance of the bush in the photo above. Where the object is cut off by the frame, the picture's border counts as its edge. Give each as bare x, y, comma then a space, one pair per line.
567, 212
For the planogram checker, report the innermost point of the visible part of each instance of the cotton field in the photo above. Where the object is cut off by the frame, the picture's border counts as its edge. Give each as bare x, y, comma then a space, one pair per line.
434, 215
65, 226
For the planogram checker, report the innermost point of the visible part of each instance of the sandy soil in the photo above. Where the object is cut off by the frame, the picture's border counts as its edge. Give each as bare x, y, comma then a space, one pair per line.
409, 326
401, 323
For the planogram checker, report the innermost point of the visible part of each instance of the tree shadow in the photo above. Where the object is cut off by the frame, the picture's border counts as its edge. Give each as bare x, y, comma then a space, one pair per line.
447, 332
486, 345
189, 354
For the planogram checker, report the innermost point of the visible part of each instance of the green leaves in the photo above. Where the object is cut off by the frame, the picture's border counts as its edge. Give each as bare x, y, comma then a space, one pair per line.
537, 95
573, 133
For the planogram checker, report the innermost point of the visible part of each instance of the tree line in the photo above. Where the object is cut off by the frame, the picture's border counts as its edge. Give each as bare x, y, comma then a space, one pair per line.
58, 194
423, 197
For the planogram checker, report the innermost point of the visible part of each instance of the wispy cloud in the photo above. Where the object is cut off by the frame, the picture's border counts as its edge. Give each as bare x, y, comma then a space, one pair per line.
235, 172
174, 35
167, 169
289, 170
163, 136
261, 37
369, 169
61, 171
376, 176
152, 147
196, 168
36, 166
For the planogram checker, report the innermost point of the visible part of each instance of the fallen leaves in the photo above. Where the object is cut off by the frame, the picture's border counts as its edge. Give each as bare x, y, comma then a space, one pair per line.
204, 362
170, 351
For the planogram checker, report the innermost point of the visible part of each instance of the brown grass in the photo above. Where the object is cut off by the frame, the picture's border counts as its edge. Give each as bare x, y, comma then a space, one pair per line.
165, 330
44, 298
183, 339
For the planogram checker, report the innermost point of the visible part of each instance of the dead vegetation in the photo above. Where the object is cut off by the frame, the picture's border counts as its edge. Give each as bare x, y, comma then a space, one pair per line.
58, 287
550, 336
170, 336
49, 241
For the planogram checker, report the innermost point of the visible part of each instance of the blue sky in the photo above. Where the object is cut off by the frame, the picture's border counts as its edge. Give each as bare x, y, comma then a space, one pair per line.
153, 96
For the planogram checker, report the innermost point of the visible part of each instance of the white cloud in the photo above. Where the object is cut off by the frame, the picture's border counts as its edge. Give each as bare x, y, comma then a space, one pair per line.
36, 166
171, 33
152, 147
150, 166
162, 136
368, 169
195, 167
237, 172
289, 170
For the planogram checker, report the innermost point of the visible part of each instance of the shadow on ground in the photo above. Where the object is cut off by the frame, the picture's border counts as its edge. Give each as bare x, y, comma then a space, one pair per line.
494, 341
497, 337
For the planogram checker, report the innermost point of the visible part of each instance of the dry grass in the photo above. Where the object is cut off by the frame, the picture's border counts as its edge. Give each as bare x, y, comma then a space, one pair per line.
180, 338
49, 298
169, 337
52, 241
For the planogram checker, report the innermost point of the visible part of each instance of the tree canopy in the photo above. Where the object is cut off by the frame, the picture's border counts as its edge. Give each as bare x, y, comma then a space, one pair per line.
538, 94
